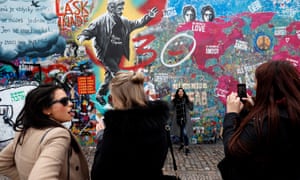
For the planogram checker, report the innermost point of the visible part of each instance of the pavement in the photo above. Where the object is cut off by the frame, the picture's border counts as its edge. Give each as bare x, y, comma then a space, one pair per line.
200, 164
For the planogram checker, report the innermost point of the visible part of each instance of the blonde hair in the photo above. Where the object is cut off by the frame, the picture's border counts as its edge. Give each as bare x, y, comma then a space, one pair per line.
127, 87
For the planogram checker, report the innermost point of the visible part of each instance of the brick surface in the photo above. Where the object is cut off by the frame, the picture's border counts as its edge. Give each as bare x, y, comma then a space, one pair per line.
200, 164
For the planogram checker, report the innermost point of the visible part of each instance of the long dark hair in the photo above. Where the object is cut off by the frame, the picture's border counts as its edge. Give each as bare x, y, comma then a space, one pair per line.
32, 116
185, 96
278, 84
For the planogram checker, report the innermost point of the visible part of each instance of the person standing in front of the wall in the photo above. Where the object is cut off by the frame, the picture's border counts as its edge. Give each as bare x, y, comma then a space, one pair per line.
132, 139
181, 124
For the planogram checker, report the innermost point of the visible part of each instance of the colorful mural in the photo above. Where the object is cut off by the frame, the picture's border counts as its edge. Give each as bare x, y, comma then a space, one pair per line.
206, 47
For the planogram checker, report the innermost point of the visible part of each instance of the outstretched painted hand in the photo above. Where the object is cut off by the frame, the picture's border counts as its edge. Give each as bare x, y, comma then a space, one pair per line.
153, 12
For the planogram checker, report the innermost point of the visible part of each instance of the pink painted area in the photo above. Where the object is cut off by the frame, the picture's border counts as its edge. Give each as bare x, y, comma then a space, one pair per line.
294, 26
215, 35
226, 85
289, 42
223, 34
258, 18
160, 5
285, 56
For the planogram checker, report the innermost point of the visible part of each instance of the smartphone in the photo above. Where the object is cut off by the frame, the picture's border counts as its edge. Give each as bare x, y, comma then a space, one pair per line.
242, 92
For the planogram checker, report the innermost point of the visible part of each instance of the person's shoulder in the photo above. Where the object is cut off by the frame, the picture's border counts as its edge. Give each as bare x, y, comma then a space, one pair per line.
58, 130
56, 133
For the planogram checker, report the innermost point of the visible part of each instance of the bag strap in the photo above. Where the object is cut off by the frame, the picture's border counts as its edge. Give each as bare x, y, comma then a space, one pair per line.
44, 135
167, 127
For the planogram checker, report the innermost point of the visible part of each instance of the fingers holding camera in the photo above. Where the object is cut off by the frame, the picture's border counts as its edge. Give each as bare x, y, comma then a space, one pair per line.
249, 99
233, 103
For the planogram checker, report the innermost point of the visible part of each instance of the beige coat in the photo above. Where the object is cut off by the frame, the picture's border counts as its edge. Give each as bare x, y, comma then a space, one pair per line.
43, 157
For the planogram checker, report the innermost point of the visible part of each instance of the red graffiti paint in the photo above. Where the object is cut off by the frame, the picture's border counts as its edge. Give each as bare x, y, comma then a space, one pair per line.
140, 50
46, 70
147, 39
160, 5
72, 13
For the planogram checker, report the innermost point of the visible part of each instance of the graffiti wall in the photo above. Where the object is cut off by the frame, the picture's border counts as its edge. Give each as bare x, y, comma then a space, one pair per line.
206, 47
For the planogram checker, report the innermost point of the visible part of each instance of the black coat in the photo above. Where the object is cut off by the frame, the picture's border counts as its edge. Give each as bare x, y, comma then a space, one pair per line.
274, 159
175, 128
134, 143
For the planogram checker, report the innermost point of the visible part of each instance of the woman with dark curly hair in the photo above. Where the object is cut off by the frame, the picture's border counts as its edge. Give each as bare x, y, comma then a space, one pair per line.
181, 124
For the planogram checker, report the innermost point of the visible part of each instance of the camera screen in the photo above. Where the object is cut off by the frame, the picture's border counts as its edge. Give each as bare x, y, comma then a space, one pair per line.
242, 90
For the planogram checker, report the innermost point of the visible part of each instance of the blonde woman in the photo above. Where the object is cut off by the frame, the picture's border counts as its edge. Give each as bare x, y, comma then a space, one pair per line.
134, 140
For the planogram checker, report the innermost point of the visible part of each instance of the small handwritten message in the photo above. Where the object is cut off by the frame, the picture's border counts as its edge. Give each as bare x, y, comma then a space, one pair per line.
24, 19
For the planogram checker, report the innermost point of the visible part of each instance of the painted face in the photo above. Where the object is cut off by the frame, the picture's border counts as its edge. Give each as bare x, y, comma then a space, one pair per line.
189, 16
119, 9
60, 110
208, 15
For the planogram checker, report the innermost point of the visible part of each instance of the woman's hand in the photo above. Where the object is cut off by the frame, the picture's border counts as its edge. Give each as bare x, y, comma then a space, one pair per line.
233, 103
100, 125
249, 99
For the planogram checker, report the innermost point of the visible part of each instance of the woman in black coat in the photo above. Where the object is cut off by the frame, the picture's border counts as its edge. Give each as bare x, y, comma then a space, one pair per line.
134, 144
181, 124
